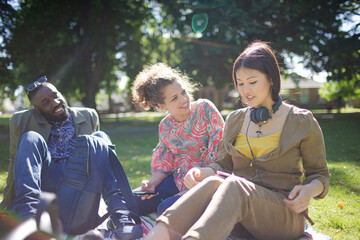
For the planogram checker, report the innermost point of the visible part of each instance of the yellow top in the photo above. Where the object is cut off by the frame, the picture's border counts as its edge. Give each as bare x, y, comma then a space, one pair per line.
259, 146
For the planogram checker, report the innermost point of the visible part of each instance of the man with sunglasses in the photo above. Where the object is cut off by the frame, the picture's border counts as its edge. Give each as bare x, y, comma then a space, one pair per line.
42, 141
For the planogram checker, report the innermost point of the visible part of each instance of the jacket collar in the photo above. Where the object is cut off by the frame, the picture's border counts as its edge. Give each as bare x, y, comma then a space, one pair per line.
39, 118
78, 117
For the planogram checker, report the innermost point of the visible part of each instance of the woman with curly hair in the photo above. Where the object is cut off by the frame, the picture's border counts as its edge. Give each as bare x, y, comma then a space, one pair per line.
188, 136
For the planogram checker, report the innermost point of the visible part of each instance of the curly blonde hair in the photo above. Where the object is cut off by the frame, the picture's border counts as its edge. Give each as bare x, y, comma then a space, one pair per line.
150, 82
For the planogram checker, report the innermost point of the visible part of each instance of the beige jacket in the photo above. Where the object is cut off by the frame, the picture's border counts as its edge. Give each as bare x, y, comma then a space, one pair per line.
301, 140
86, 121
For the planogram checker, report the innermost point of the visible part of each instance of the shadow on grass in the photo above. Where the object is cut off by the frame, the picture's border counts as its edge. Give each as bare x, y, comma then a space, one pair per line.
4, 129
346, 177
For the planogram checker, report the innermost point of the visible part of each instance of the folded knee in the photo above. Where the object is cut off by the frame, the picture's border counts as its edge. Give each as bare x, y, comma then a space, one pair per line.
98, 140
213, 181
237, 179
242, 185
31, 137
103, 136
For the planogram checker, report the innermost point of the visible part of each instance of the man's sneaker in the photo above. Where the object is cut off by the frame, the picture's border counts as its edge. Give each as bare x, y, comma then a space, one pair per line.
125, 224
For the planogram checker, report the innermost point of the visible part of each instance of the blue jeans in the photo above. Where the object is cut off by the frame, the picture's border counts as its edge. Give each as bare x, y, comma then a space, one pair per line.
166, 204
167, 188
36, 172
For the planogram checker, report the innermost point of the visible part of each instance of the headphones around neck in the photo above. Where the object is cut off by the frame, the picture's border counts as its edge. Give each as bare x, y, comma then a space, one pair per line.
262, 114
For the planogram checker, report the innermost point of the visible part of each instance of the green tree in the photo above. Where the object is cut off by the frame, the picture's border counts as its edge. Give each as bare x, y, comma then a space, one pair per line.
81, 43
7, 18
307, 28
75, 43
332, 90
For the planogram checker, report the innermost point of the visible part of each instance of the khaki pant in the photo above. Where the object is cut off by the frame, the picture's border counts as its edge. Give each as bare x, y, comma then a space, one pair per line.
212, 208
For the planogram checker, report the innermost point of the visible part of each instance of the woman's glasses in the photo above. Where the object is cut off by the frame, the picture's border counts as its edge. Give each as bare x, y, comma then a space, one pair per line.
34, 85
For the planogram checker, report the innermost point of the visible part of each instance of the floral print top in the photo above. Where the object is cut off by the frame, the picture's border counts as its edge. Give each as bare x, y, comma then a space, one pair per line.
193, 142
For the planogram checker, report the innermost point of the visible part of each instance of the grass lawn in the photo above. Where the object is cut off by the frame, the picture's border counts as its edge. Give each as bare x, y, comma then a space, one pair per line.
135, 139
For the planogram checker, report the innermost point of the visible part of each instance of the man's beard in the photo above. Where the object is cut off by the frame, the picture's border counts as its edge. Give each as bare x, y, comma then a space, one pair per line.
52, 117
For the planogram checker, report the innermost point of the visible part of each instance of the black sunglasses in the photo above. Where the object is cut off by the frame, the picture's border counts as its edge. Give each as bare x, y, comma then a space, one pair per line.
34, 85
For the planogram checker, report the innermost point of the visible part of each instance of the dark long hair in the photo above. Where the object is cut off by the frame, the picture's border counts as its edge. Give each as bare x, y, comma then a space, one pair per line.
259, 56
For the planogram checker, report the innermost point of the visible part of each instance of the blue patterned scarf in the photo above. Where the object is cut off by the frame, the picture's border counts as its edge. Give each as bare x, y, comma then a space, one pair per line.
62, 139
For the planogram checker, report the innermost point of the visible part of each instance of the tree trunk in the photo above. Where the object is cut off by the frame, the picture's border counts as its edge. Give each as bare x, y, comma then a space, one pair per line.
95, 54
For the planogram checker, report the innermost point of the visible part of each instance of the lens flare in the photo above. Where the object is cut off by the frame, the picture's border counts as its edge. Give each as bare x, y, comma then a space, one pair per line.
199, 22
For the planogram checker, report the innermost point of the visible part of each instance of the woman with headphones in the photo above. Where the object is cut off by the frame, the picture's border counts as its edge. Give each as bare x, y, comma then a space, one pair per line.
271, 162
